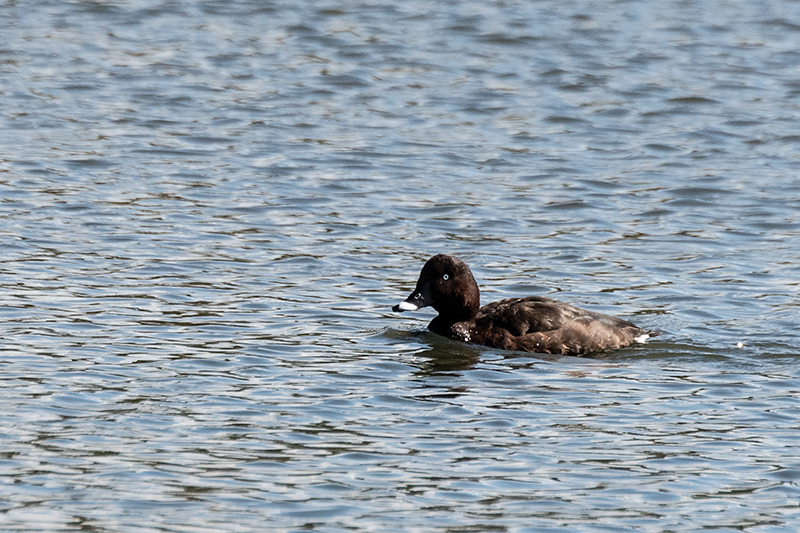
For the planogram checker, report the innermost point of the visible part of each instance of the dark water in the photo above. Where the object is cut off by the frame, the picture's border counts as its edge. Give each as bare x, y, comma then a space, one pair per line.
207, 210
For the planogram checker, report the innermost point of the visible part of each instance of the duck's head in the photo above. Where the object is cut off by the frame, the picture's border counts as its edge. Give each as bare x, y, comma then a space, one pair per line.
445, 283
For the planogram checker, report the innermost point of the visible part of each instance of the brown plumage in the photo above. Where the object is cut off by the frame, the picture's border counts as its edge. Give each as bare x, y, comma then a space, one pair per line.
532, 324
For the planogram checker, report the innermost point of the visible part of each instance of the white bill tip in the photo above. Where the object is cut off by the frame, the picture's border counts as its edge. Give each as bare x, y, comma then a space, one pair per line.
406, 306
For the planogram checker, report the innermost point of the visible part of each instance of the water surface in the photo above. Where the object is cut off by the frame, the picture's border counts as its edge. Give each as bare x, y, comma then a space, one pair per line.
207, 211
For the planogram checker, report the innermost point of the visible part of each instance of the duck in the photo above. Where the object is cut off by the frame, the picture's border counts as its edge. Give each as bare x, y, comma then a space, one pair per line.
528, 324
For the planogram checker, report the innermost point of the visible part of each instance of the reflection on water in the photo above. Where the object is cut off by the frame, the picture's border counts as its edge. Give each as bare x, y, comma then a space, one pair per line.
208, 210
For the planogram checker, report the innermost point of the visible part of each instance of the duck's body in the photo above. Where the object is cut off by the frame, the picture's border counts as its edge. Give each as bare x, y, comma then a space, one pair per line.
532, 324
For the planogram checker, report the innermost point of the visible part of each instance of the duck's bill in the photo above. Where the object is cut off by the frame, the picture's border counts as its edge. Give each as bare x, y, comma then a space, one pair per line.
419, 298
404, 306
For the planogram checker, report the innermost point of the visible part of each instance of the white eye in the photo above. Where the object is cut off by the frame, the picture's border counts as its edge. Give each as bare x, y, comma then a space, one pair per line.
445, 277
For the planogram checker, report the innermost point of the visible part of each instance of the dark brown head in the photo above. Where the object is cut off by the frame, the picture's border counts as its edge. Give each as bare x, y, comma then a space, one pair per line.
445, 283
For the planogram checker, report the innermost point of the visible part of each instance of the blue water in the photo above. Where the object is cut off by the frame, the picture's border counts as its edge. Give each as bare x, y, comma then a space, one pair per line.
208, 209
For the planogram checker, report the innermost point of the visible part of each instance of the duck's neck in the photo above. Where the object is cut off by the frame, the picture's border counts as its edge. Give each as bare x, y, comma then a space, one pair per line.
462, 330
441, 326
443, 323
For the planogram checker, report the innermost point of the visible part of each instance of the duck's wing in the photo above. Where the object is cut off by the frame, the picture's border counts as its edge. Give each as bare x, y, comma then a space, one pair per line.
521, 316
538, 324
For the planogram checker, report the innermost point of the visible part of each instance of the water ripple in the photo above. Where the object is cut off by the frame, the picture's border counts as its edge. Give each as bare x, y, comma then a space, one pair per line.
208, 210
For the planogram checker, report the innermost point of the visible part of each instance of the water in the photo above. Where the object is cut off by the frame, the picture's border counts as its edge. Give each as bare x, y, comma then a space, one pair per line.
208, 209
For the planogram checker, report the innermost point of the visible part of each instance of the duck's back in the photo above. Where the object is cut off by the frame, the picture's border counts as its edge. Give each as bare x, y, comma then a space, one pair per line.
537, 324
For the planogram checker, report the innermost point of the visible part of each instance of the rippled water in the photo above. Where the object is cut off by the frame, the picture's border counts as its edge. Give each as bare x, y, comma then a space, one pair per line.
207, 210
